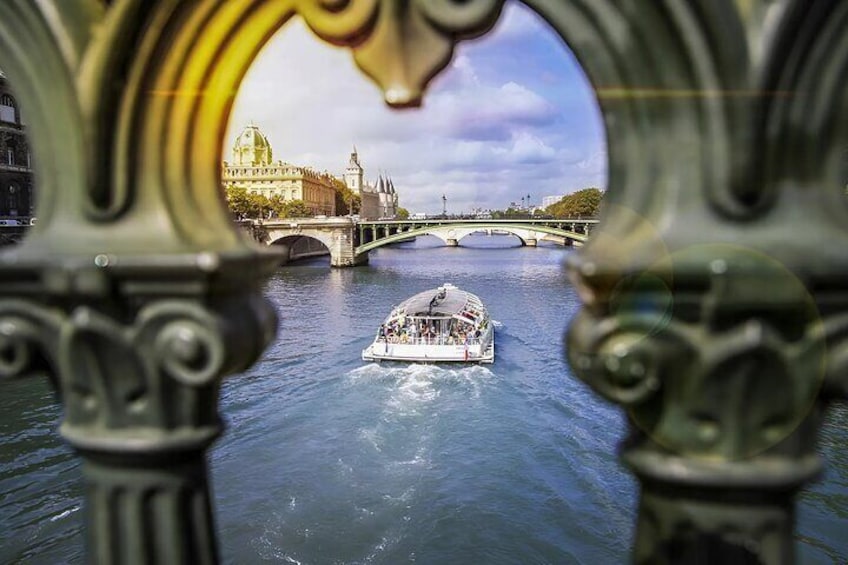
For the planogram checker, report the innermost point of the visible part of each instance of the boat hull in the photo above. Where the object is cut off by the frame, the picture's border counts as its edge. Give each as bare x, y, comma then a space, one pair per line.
382, 351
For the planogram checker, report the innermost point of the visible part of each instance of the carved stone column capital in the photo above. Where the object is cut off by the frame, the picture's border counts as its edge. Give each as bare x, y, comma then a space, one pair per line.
138, 367
715, 303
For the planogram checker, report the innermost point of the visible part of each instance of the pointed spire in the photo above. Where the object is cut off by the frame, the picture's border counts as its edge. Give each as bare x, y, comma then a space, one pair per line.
380, 186
354, 160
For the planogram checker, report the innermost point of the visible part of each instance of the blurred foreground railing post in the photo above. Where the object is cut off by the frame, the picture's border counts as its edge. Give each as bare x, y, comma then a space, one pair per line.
716, 306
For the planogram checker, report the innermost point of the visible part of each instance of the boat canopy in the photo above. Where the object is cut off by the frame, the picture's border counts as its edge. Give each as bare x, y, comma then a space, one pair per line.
445, 301
442, 324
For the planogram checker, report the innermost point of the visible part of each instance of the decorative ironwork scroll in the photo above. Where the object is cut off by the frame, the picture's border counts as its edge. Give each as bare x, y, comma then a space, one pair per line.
715, 303
714, 311
134, 291
401, 45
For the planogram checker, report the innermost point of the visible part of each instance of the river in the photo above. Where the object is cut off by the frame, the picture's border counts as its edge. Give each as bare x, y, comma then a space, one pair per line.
330, 460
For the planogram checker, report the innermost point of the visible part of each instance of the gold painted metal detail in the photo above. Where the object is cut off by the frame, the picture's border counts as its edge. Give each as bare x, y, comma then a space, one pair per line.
400, 44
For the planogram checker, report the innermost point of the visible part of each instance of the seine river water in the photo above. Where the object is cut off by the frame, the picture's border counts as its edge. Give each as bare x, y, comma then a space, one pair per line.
330, 460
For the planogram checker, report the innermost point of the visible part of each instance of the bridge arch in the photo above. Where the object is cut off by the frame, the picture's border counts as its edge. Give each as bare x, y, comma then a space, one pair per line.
451, 234
301, 246
336, 237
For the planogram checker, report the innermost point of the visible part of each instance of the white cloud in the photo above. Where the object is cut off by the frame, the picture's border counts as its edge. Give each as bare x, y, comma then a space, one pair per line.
528, 148
482, 138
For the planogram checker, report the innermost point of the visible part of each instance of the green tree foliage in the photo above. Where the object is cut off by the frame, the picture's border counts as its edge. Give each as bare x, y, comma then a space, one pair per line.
278, 206
402, 214
247, 205
346, 201
244, 204
295, 209
584, 203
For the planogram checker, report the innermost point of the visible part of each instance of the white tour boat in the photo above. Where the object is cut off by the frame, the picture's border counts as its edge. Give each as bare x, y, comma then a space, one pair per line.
444, 324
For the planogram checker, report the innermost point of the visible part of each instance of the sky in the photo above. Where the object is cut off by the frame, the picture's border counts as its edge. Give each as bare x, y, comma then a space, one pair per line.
512, 115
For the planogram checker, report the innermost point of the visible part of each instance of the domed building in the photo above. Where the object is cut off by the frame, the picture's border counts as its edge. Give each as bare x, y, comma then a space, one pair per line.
252, 148
253, 168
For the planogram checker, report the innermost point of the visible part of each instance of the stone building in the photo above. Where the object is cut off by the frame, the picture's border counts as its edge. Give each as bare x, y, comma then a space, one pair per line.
379, 200
16, 178
254, 169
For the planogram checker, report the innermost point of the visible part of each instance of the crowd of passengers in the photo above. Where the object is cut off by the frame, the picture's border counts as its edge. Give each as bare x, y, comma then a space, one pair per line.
449, 331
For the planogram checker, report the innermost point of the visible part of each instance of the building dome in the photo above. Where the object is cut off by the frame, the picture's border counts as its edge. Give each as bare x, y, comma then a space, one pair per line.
252, 148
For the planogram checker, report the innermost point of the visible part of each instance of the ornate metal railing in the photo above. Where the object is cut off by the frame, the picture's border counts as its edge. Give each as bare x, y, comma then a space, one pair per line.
715, 293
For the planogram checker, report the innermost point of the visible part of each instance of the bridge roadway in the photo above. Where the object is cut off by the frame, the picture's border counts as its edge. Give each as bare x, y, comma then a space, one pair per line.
349, 241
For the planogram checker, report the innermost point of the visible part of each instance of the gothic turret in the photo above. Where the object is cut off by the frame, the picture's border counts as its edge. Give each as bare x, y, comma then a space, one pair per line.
353, 173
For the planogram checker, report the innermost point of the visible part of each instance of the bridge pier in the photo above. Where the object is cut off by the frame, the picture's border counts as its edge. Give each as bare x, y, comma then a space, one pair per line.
452, 243
530, 243
348, 260
343, 251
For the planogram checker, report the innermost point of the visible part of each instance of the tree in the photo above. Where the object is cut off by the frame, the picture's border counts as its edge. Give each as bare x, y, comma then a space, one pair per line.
402, 214
278, 206
296, 209
238, 201
244, 204
346, 201
581, 204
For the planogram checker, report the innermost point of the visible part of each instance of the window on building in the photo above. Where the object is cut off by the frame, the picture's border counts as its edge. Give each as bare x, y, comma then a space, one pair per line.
10, 156
7, 109
13, 200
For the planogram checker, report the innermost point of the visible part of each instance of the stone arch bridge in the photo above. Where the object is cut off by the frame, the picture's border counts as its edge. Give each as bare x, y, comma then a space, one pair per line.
348, 241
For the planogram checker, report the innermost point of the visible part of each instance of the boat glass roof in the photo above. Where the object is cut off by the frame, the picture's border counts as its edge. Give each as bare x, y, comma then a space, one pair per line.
441, 302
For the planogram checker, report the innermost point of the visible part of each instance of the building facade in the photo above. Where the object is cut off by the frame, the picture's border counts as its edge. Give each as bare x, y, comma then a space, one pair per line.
254, 169
16, 177
379, 200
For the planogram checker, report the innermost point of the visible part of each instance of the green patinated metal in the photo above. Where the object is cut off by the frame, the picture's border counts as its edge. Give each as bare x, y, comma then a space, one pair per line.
716, 308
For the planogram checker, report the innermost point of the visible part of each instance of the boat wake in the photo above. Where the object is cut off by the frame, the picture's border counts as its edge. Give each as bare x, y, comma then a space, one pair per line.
422, 384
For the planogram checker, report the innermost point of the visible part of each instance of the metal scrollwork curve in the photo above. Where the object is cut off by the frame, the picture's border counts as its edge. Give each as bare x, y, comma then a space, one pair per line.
342, 22
401, 44
625, 360
185, 342
27, 335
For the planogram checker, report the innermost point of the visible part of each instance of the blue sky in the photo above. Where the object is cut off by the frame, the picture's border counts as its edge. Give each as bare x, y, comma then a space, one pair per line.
512, 115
